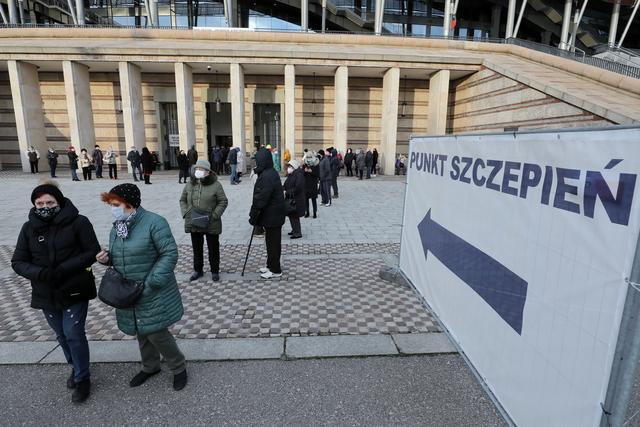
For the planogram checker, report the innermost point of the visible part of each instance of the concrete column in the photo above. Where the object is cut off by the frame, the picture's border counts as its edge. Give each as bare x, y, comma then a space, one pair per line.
304, 15
379, 17
153, 5
231, 12
13, 12
566, 21
132, 108
184, 97
27, 106
341, 108
438, 103
237, 106
80, 11
496, 11
78, 94
389, 128
324, 15
511, 18
446, 22
613, 27
290, 109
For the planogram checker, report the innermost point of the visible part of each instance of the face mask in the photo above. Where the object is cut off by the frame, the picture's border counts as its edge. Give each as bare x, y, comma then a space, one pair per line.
289, 170
199, 174
46, 213
118, 213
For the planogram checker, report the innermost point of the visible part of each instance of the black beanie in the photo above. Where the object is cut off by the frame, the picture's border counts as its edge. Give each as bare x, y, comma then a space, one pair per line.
50, 189
130, 193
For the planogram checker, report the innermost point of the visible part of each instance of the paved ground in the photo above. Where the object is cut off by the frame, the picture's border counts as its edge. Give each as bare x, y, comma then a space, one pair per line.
405, 391
330, 302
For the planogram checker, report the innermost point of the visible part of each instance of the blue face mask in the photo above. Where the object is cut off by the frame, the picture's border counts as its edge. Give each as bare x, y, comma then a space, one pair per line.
118, 213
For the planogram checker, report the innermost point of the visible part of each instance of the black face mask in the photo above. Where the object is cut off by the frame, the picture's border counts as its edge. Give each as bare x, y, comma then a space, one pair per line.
47, 213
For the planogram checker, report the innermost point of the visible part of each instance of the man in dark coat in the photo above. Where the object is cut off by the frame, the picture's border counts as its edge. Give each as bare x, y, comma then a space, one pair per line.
136, 163
325, 177
368, 162
294, 188
192, 155
233, 164
52, 158
335, 171
183, 165
148, 165
55, 250
268, 211
348, 161
311, 180
217, 159
98, 160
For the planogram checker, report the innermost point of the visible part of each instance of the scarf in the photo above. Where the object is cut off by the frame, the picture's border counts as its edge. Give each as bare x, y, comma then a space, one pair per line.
122, 226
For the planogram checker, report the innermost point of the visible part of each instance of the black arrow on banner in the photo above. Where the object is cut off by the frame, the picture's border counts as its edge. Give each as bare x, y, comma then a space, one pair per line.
501, 288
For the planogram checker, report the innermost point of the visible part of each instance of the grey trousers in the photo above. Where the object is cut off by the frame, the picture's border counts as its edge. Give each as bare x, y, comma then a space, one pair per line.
160, 343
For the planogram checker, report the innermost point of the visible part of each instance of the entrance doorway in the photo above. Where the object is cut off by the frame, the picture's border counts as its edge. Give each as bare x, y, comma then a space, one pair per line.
170, 134
266, 125
219, 130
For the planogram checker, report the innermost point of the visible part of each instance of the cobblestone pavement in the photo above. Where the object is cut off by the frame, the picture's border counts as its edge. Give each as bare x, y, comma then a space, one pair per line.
330, 284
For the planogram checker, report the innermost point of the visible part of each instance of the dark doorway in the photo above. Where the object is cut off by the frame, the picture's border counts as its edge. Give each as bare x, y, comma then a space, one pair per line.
171, 143
219, 130
266, 125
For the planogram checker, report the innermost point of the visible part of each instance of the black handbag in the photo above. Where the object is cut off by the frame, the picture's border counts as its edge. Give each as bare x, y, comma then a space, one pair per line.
118, 291
199, 219
292, 208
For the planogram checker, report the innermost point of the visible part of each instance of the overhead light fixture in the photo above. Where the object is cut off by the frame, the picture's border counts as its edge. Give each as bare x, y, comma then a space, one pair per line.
313, 100
403, 106
218, 103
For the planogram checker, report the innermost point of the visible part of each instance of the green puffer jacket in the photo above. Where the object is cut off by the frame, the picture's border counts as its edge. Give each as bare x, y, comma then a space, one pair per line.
206, 194
149, 253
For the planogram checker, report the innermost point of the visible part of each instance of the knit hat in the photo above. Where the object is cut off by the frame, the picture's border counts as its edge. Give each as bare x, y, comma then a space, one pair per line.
48, 187
294, 164
130, 193
203, 164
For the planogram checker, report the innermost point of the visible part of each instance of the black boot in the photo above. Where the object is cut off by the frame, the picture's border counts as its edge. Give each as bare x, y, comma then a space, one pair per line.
141, 377
82, 391
180, 380
71, 382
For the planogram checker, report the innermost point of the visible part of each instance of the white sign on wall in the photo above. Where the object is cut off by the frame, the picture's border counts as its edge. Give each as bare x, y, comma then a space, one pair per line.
174, 140
521, 244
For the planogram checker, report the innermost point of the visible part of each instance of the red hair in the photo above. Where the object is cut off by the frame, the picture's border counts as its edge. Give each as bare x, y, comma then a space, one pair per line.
110, 197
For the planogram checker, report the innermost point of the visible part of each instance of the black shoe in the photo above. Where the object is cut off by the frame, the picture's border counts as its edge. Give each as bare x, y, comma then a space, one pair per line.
141, 377
82, 391
215, 277
314, 215
71, 382
196, 275
290, 233
306, 215
180, 380
296, 236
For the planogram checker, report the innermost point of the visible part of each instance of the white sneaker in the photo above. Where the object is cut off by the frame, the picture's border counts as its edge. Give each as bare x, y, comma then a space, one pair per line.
270, 275
263, 270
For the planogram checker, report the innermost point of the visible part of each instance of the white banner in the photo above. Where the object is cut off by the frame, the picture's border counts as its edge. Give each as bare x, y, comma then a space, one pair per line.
521, 244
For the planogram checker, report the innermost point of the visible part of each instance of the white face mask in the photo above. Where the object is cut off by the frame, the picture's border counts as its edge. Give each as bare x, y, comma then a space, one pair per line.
289, 170
118, 213
199, 174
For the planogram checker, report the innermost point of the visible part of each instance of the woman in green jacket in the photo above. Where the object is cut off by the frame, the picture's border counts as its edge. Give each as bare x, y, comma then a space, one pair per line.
142, 248
204, 196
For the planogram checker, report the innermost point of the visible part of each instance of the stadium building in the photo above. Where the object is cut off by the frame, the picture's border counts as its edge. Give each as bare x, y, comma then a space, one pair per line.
307, 74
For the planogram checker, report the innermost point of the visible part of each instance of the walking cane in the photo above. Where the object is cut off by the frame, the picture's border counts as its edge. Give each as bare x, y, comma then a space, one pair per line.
253, 230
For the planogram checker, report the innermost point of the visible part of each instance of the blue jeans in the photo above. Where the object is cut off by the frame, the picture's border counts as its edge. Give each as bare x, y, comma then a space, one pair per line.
234, 173
74, 174
68, 324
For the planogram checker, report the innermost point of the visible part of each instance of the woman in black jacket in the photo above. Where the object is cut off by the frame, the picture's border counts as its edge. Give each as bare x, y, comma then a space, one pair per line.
148, 164
55, 250
311, 181
73, 163
294, 187
268, 211
183, 165
348, 161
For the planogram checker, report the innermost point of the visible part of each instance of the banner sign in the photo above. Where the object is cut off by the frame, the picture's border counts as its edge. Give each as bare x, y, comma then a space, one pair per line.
521, 244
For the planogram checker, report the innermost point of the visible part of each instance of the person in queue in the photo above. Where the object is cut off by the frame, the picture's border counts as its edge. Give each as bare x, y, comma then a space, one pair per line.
268, 211
294, 187
55, 250
142, 248
205, 193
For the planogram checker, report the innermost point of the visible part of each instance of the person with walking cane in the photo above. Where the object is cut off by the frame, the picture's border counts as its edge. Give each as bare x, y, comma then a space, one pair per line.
268, 211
